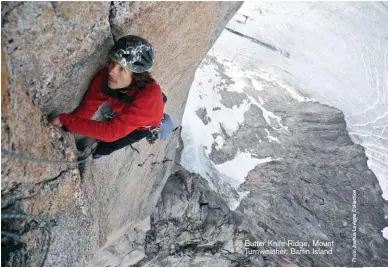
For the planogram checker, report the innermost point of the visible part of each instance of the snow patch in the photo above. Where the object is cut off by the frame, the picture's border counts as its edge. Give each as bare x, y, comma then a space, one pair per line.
219, 142
239, 167
271, 138
204, 93
385, 233
199, 135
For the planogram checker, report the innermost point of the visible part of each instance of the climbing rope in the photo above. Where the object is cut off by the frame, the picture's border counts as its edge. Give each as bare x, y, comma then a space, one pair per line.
27, 217
19, 216
11, 235
5, 153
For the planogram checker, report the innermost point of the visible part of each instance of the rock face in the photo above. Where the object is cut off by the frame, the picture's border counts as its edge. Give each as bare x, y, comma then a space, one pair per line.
313, 183
309, 194
191, 226
50, 52
306, 197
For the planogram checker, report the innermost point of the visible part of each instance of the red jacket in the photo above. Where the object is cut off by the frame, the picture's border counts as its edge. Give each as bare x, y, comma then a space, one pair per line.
145, 110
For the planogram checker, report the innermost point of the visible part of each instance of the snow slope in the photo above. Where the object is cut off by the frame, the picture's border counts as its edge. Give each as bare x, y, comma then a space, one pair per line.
335, 52
332, 52
200, 131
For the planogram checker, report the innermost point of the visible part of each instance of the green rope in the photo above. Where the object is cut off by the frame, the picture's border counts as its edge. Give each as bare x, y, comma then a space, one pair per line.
5, 153
11, 235
20, 216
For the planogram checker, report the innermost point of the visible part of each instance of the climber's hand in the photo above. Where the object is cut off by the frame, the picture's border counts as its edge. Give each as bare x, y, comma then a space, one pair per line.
55, 122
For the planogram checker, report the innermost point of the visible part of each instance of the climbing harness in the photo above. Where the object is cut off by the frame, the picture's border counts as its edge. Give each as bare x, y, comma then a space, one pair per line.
27, 217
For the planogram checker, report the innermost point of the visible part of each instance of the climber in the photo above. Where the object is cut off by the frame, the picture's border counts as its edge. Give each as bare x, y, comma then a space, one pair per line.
126, 85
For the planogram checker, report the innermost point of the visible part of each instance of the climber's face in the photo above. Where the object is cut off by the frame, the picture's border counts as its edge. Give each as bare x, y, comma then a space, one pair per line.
118, 76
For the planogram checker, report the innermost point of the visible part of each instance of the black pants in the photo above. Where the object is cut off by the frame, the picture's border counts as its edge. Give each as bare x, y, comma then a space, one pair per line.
105, 148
